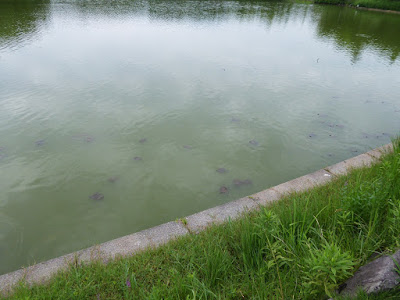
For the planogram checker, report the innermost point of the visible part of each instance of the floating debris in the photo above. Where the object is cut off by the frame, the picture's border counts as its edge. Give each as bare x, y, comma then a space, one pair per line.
253, 143
223, 190
137, 158
40, 142
188, 147
97, 196
222, 170
142, 140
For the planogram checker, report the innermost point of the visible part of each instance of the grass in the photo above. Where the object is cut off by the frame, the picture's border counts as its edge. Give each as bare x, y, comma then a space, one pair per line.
302, 247
379, 4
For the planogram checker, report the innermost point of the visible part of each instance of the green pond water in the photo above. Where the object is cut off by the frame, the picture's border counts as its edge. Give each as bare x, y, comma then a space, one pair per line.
142, 101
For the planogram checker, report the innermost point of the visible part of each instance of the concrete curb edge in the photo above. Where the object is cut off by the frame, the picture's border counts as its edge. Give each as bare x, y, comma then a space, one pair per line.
159, 235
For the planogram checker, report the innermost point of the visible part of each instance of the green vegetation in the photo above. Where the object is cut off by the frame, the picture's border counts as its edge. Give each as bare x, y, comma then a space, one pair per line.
379, 4
302, 247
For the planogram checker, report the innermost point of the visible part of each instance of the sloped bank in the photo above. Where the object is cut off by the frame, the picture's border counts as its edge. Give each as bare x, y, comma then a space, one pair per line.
258, 245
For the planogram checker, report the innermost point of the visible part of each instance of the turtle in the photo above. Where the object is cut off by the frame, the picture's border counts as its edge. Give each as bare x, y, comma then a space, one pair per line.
113, 179
322, 115
312, 135
235, 120
223, 190
143, 140
40, 142
222, 170
137, 158
239, 182
253, 143
188, 147
88, 139
97, 196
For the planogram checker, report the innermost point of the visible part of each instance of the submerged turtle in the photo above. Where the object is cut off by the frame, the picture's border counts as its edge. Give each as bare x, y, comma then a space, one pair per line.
188, 147
322, 115
113, 179
222, 170
235, 120
238, 182
143, 140
88, 139
253, 143
40, 142
137, 158
223, 190
97, 196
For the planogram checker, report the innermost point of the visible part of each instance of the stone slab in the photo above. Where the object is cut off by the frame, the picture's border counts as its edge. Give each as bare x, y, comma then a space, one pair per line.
376, 276
216, 215
379, 152
123, 246
38, 273
359, 161
265, 197
343, 167
303, 183
162, 234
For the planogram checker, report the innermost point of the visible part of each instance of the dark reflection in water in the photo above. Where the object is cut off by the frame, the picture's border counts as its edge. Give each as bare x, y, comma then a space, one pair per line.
350, 29
354, 30
21, 21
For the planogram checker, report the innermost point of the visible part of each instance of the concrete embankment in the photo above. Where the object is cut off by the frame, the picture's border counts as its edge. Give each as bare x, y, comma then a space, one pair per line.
156, 236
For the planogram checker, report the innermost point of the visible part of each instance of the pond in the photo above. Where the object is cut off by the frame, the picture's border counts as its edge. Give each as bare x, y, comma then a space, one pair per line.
118, 116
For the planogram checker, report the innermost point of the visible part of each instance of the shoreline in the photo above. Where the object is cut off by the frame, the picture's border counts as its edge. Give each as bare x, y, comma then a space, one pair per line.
156, 236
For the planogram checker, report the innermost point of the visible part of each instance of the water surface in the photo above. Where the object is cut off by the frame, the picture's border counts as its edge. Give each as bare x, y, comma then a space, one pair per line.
142, 102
